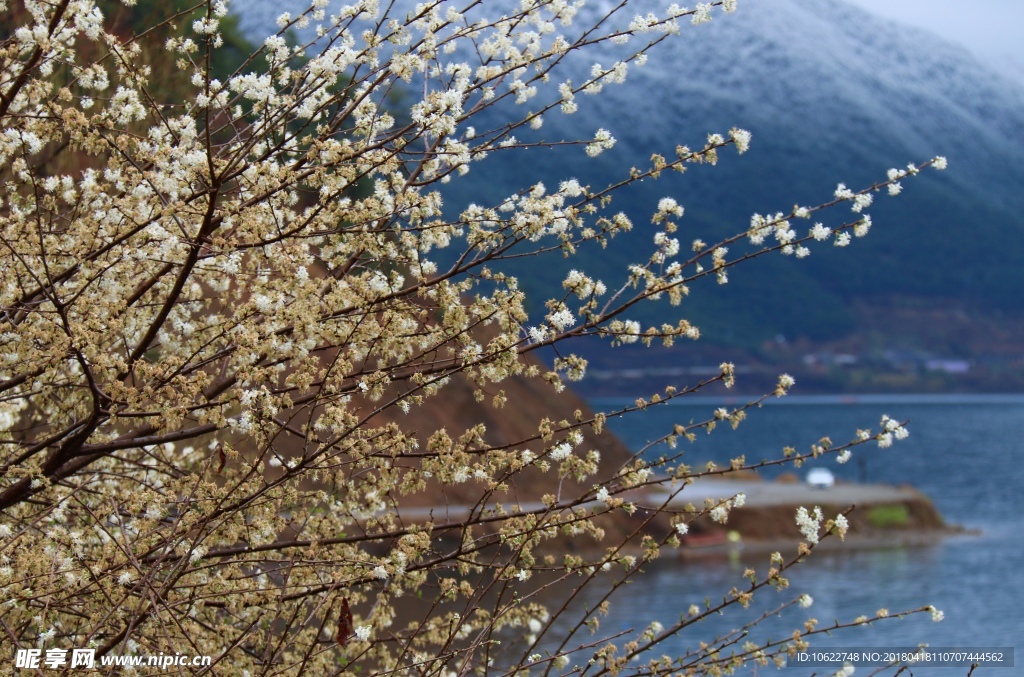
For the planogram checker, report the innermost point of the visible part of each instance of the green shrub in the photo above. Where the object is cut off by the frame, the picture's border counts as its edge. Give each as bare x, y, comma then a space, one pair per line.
888, 516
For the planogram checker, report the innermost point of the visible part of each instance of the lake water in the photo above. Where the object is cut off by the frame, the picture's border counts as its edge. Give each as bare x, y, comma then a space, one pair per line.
965, 452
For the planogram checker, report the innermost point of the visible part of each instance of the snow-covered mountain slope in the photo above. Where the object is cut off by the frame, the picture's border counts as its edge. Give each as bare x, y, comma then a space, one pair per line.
808, 76
830, 93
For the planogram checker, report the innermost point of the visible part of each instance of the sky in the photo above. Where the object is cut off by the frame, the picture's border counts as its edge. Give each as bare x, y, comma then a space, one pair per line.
992, 29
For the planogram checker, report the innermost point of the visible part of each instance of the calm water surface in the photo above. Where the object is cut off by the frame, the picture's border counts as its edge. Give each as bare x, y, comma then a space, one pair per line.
965, 452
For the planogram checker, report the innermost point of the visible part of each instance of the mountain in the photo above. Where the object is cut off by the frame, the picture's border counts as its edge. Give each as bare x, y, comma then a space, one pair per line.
831, 94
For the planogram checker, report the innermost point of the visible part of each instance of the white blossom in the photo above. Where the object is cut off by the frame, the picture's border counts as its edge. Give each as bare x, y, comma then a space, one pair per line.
809, 524
702, 14
571, 187
539, 334
561, 452
843, 193
820, 232
603, 140
741, 138
562, 319
668, 205
861, 228
841, 525
861, 201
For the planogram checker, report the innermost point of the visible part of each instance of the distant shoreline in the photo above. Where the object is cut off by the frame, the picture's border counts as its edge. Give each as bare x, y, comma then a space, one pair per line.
875, 541
831, 399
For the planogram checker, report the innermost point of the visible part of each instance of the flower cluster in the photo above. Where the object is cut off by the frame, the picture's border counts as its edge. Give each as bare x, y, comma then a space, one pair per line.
809, 524
720, 511
891, 430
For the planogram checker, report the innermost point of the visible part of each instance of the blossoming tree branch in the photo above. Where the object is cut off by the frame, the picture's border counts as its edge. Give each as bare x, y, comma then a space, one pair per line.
222, 292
